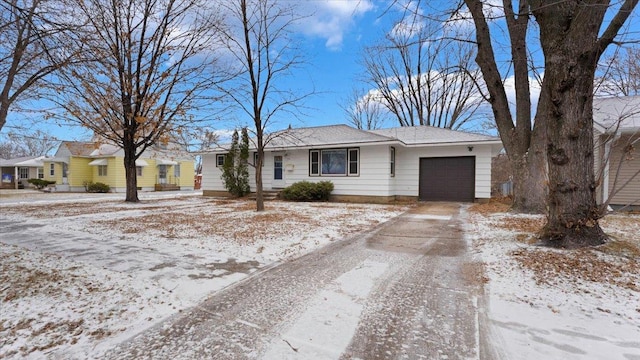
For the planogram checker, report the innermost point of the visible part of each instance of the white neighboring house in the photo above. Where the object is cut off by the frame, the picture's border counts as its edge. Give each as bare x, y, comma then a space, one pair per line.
17, 171
616, 139
421, 162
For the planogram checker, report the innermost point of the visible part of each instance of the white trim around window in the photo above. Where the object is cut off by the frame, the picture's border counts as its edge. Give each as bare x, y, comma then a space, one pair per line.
220, 160
392, 162
334, 162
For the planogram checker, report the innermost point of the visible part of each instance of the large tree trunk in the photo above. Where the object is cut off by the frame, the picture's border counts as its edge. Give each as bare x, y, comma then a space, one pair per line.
572, 220
130, 174
571, 56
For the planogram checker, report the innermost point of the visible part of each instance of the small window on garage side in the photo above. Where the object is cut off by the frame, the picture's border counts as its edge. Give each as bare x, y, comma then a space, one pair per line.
393, 161
219, 160
102, 170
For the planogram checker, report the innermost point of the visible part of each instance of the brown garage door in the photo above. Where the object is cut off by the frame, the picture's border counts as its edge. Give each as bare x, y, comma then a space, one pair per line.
447, 179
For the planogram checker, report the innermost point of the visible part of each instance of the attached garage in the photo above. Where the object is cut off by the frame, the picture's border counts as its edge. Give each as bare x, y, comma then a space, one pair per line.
447, 179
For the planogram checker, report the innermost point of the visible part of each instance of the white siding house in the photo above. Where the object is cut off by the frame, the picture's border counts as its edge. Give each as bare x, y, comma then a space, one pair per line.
616, 139
378, 166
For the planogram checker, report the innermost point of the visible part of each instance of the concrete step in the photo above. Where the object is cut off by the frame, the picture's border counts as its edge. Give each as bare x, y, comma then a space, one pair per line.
266, 195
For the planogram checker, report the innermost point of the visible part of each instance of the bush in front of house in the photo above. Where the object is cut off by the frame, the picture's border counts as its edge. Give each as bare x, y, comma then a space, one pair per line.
97, 187
40, 183
308, 191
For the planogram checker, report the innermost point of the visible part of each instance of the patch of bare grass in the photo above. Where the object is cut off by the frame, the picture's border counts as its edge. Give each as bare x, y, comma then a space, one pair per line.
621, 248
552, 266
522, 224
495, 205
245, 228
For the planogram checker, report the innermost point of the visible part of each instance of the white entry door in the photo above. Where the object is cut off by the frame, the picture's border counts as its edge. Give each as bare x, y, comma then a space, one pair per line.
162, 174
278, 171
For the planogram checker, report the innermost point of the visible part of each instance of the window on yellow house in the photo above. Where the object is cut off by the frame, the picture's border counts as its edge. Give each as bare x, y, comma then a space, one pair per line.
52, 170
139, 170
102, 170
176, 170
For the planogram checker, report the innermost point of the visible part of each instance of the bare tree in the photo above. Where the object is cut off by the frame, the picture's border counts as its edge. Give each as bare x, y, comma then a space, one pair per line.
35, 143
261, 43
35, 40
148, 66
620, 73
422, 77
364, 110
522, 139
201, 139
572, 42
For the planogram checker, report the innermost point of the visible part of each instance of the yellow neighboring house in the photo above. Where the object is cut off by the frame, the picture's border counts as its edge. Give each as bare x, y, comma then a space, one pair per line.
77, 163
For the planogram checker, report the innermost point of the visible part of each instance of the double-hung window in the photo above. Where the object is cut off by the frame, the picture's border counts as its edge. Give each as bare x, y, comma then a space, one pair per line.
102, 170
138, 170
40, 173
334, 162
176, 170
23, 172
52, 169
219, 160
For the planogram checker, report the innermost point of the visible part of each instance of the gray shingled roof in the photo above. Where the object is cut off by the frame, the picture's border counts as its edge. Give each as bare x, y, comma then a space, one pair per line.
28, 161
607, 112
324, 136
415, 135
340, 135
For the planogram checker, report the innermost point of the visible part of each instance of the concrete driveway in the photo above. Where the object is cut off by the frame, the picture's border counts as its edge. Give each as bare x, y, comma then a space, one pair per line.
403, 291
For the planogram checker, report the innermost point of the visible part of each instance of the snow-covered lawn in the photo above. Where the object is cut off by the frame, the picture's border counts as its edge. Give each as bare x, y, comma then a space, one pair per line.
78, 277
70, 296
558, 304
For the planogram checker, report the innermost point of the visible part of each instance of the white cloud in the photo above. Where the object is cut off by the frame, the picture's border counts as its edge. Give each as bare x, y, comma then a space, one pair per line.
331, 19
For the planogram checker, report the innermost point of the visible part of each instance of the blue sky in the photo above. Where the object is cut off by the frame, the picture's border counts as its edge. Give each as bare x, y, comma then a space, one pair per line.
331, 40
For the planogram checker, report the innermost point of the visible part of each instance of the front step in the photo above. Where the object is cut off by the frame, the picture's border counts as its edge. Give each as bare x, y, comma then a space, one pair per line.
167, 187
266, 195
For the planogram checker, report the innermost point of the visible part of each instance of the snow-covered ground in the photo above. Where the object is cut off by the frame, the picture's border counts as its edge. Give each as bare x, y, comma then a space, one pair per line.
79, 277
558, 304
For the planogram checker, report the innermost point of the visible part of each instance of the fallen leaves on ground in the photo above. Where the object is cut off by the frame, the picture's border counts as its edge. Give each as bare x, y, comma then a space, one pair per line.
550, 266
495, 205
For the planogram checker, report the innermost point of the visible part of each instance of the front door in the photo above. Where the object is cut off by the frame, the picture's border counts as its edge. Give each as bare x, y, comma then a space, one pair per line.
65, 170
162, 174
278, 171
